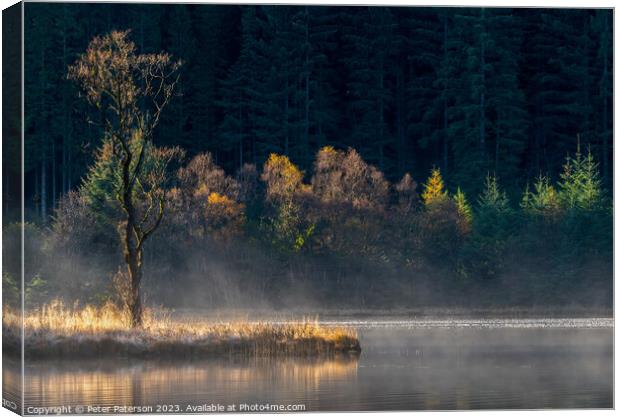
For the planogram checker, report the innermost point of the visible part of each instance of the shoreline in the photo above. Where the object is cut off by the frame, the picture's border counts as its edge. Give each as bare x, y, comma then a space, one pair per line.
57, 330
421, 313
142, 344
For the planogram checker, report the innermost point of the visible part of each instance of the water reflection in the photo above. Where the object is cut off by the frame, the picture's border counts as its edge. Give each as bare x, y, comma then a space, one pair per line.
232, 380
399, 369
11, 383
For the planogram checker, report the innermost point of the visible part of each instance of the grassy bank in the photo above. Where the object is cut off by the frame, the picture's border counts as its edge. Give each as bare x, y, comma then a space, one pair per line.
56, 330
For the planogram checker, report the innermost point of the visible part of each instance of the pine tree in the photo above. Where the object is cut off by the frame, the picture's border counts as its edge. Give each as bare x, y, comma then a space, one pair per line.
580, 183
430, 78
543, 200
467, 117
316, 29
179, 40
486, 118
557, 58
39, 96
603, 91
492, 197
211, 64
507, 112
276, 120
238, 91
371, 43
462, 205
434, 189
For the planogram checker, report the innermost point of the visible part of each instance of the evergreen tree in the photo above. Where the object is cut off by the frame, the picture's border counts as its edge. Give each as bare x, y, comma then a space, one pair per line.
492, 197
431, 74
462, 205
276, 119
434, 189
179, 40
486, 118
543, 200
558, 61
316, 29
507, 113
470, 90
371, 44
238, 92
603, 91
215, 30
467, 117
580, 184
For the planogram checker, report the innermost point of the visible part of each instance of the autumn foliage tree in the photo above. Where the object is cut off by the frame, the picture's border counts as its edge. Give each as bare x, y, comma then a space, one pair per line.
343, 177
351, 197
434, 191
206, 201
441, 223
131, 90
464, 209
285, 192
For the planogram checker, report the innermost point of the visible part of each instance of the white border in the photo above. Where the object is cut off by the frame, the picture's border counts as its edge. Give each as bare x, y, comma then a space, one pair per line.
489, 3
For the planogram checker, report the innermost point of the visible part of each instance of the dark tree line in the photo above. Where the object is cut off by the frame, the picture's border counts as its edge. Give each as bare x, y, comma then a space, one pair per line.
469, 90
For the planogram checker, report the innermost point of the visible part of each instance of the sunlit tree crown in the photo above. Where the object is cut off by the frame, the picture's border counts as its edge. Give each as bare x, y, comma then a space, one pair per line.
580, 183
434, 188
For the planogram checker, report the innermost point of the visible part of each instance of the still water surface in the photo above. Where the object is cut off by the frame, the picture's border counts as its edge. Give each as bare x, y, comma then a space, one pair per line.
404, 365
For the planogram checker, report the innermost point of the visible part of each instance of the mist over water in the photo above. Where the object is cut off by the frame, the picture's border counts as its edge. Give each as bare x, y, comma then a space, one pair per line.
403, 366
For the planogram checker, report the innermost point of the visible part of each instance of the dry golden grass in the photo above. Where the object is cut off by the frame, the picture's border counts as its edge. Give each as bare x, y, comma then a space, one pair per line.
56, 329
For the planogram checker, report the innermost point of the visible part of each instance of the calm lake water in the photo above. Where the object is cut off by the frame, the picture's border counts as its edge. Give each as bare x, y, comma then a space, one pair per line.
404, 365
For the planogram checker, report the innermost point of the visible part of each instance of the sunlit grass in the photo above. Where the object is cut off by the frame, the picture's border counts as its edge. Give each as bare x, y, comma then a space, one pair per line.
58, 329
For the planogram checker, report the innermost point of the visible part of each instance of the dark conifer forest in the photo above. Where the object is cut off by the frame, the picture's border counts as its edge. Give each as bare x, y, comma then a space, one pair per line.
333, 156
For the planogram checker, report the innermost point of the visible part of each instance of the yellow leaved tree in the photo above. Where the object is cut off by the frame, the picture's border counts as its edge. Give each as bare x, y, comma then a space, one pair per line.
434, 189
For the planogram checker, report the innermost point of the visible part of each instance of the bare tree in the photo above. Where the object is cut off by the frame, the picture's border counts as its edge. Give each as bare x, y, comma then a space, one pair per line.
131, 90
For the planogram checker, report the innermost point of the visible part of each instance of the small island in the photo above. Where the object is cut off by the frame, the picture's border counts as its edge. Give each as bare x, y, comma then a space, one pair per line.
58, 331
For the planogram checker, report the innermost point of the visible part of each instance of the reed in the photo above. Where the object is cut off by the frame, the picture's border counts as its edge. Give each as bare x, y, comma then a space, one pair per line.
58, 330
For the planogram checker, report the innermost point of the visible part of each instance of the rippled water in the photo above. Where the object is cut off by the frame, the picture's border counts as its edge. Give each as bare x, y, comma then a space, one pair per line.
405, 365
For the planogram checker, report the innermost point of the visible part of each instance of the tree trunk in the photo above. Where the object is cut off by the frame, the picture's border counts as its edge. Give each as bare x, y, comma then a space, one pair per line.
65, 113
400, 128
43, 143
53, 175
6, 192
37, 191
134, 267
241, 132
132, 246
43, 190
